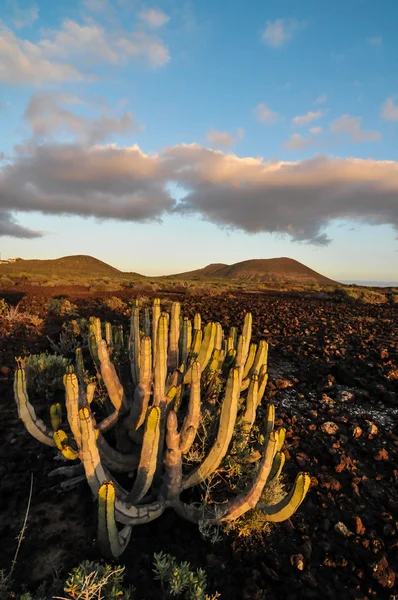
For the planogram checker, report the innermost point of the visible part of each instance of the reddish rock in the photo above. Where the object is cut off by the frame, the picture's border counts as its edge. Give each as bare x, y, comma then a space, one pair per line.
329, 427
382, 455
383, 575
282, 384
359, 527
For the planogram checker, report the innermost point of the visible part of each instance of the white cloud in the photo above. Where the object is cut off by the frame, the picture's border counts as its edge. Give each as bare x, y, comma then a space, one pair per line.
316, 130
219, 139
307, 118
321, 99
90, 42
154, 18
63, 54
240, 133
389, 110
266, 115
22, 61
279, 32
375, 41
347, 125
24, 17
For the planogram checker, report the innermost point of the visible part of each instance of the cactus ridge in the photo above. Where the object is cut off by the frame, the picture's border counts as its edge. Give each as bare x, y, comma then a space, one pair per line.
180, 371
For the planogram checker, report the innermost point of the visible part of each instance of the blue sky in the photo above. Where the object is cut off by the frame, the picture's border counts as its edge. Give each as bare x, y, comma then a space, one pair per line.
163, 136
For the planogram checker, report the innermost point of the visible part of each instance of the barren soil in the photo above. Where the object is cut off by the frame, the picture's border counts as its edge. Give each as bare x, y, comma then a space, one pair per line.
334, 381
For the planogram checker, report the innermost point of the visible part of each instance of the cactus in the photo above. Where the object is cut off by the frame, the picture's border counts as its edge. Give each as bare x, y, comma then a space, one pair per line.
179, 373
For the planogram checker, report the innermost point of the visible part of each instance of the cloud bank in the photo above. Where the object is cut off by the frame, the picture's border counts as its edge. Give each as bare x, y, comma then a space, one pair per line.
298, 199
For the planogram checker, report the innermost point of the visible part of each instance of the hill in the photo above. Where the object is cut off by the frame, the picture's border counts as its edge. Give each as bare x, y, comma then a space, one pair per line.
268, 270
78, 266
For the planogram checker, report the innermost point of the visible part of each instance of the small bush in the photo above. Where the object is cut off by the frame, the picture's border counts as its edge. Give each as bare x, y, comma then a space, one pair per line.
115, 304
6, 282
177, 579
45, 373
61, 307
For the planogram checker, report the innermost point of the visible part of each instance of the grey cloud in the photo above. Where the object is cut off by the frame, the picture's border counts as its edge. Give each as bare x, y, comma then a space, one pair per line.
47, 115
298, 199
102, 182
9, 227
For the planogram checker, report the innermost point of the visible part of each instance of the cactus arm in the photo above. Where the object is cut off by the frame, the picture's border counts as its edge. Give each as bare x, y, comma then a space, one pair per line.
160, 364
147, 321
96, 475
155, 322
282, 435
249, 498
80, 370
261, 356
143, 390
277, 465
219, 337
174, 335
233, 334
186, 339
56, 416
249, 360
90, 390
287, 507
251, 403
72, 405
62, 443
114, 460
197, 322
149, 452
134, 345
206, 347
191, 421
196, 342
247, 334
171, 487
27, 413
263, 380
224, 435
240, 359
110, 377
111, 541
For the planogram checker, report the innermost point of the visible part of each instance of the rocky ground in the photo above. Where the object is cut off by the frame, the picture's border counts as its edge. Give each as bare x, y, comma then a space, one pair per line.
334, 381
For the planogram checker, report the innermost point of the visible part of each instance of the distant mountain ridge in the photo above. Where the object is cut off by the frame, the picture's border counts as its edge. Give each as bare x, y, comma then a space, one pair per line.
267, 270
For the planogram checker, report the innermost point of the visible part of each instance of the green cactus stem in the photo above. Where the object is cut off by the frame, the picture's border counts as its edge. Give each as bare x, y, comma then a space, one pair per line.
149, 453
224, 435
287, 507
111, 541
56, 416
27, 413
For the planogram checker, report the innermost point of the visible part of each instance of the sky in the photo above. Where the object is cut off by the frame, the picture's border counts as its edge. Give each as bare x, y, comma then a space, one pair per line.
161, 137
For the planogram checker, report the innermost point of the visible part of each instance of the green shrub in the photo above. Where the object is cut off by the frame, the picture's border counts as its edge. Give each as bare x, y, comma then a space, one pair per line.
61, 307
45, 373
177, 579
